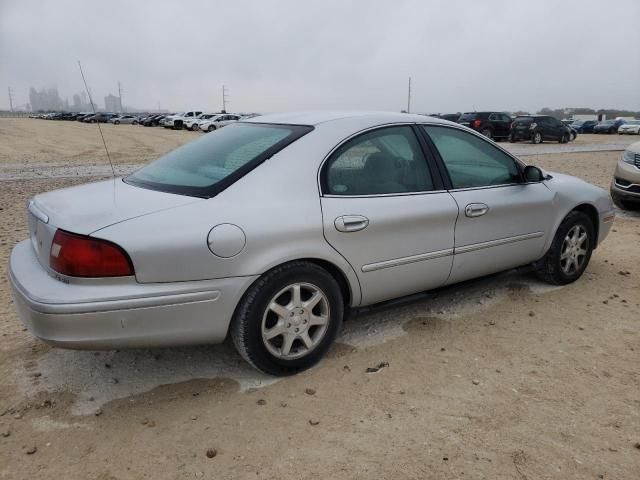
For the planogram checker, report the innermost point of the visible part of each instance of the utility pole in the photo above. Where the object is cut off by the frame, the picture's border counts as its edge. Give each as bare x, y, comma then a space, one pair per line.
409, 97
11, 99
224, 98
120, 97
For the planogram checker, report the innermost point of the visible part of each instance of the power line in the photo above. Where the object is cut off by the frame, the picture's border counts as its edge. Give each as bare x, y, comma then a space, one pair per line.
10, 99
224, 99
120, 97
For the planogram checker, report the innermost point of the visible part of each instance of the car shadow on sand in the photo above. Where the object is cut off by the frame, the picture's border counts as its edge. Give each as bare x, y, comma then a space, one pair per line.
99, 377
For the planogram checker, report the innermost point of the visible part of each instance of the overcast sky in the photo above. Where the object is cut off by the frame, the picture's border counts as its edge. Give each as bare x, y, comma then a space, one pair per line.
279, 55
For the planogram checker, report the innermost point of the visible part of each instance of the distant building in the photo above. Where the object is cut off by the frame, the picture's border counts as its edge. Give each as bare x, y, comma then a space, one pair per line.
112, 103
45, 100
80, 103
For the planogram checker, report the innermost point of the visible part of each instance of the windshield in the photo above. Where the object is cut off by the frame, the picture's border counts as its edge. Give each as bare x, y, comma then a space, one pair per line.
206, 166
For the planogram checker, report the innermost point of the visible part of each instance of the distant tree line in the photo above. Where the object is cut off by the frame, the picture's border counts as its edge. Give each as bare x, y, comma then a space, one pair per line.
562, 113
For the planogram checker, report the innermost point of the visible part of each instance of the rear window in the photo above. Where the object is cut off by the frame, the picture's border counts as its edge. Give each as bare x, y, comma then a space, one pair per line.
523, 120
467, 117
206, 166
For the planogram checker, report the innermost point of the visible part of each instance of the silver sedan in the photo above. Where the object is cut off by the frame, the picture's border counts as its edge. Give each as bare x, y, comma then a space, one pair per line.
271, 229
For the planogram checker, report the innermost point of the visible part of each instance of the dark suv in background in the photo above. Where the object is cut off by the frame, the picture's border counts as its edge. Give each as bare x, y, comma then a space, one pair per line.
538, 128
494, 125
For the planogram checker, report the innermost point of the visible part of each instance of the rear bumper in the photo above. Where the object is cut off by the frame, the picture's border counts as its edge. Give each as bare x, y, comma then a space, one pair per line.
521, 135
119, 313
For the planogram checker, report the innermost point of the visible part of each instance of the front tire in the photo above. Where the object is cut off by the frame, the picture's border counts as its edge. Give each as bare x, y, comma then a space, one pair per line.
211, 128
288, 319
570, 251
564, 139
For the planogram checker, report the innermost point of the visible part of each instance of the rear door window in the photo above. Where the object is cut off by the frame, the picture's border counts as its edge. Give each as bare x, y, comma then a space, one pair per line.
384, 161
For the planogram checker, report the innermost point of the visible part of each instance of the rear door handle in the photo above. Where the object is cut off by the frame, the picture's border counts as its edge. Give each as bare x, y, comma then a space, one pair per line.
476, 209
351, 223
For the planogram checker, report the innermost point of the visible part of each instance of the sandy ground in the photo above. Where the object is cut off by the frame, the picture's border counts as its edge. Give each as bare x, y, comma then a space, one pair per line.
501, 378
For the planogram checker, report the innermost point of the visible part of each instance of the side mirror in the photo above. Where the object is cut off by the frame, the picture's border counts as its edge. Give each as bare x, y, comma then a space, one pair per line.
533, 174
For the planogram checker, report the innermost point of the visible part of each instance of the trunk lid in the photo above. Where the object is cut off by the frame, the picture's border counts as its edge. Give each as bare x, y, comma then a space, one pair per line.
83, 209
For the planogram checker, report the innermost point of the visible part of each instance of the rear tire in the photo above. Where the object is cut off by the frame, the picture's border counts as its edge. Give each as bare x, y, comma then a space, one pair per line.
264, 326
487, 133
117, 122
536, 138
570, 253
511, 139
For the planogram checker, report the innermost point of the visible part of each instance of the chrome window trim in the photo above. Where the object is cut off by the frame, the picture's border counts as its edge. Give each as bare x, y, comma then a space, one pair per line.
494, 243
372, 267
519, 162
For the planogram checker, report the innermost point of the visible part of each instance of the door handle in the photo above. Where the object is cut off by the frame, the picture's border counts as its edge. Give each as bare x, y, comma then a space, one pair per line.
476, 209
351, 223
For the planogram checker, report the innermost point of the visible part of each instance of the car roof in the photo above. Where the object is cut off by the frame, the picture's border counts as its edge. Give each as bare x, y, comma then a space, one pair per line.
363, 117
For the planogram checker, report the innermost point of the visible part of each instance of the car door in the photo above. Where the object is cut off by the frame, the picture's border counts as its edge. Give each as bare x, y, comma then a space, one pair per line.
386, 212
505, 125
548, 129
503, 221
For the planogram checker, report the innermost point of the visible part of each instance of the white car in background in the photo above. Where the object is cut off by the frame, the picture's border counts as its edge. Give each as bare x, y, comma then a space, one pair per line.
177, 121
218, 121
124, 119
631, 127
194, 123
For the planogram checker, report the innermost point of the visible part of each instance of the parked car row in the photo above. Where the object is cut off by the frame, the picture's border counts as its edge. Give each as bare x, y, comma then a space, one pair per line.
536, 128
191, 120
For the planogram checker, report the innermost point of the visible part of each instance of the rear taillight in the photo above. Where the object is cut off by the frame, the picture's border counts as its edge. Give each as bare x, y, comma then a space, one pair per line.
82, 256
476, 123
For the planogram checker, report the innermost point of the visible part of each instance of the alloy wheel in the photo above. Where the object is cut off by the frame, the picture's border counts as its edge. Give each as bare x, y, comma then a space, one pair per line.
295, 321
574, 249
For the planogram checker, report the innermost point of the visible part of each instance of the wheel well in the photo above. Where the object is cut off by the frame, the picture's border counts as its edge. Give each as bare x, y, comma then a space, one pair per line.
337, 274
592, 213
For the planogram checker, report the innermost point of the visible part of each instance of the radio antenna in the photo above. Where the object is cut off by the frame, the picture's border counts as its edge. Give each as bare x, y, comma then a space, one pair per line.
93, 108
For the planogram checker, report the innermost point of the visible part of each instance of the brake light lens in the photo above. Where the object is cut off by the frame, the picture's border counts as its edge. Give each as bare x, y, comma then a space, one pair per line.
476, 123
82, 256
